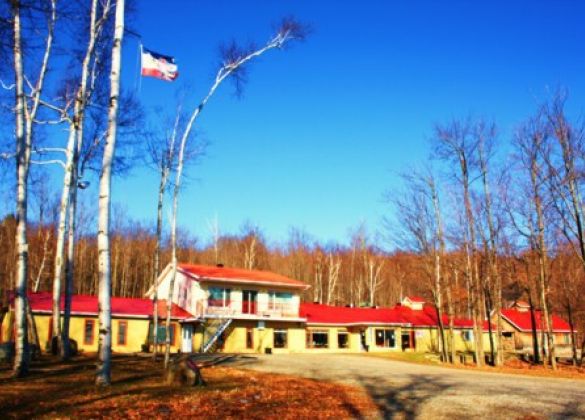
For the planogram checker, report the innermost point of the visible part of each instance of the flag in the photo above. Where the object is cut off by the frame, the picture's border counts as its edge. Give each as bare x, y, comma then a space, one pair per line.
158, 65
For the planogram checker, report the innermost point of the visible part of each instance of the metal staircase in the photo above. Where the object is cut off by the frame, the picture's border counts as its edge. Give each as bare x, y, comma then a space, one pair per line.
216, 329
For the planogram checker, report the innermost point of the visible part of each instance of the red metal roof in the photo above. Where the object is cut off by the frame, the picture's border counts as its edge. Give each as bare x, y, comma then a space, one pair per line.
88, 305
398, 315
240, 275
521, 320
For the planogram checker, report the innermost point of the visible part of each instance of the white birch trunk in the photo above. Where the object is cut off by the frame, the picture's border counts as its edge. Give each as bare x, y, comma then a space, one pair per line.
103, 375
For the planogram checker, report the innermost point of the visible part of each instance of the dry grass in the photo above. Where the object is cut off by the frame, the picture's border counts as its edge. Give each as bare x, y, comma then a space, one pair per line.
66, 390
512, 366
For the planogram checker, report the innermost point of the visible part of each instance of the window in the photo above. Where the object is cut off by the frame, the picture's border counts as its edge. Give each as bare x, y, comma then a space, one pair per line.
219, 297
88, 331
161, 333
566, 338
317, 339
385, 338
278, 300
342, 340
122, 332
467, 335
249, 338
280, 339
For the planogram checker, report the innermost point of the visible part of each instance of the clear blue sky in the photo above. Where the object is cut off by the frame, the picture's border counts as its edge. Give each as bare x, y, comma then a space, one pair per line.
323, 128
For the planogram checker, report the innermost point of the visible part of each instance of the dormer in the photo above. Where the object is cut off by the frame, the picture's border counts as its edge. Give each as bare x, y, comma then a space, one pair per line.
413, 302
521, 306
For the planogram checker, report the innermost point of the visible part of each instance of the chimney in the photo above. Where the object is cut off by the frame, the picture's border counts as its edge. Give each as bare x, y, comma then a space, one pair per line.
219, 265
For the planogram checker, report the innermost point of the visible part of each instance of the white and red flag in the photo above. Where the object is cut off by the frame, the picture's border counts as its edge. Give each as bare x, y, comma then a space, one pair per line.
157, 65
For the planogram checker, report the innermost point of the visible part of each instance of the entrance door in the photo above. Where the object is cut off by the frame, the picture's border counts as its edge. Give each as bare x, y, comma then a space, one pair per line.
187, 339
249, 301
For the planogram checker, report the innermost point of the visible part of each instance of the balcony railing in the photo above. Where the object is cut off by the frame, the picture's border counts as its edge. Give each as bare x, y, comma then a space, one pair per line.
237, 308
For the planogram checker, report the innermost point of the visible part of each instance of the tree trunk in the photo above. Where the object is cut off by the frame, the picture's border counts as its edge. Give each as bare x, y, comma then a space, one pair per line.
21, 359
535, 350
103, 376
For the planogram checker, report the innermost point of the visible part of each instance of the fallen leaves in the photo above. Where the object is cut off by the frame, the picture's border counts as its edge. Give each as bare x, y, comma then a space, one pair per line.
67, 391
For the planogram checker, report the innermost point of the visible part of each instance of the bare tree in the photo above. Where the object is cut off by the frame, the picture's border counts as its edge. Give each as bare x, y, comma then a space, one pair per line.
25, 117
103, 375
531, 144
455, 143
234, 66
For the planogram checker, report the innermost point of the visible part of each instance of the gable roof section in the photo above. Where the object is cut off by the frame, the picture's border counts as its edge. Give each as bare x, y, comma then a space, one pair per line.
121, 307
521, 320
239, 275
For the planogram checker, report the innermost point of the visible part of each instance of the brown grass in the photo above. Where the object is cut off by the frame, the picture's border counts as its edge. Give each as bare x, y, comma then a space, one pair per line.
512, 366
66, 390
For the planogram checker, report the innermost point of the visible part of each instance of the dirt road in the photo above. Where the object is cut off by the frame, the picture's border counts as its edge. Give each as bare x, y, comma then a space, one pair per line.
406, 390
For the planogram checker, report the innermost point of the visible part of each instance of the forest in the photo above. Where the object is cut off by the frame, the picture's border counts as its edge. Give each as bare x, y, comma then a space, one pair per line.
488, 218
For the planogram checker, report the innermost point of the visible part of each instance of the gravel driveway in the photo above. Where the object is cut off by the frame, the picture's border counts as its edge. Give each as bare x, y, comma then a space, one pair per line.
406, 390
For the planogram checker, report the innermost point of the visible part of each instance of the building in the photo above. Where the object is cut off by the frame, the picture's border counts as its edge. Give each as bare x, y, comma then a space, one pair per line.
517, 330
250, 311
131, 323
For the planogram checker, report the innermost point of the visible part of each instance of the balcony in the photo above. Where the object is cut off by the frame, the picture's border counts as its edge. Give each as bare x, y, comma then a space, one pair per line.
251, 310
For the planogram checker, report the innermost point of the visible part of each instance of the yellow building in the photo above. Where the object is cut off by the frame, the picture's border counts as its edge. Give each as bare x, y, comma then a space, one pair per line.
131, 323
250, 311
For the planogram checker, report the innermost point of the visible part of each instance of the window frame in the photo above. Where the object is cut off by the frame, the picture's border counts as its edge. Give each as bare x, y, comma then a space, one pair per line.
125, 341
225, 297
277, 300
386, 334
311, 333
343, 333
85, 330
280, 331
249, 338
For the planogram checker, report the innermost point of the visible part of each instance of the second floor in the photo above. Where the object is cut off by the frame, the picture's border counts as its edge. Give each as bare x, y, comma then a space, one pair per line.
210, 292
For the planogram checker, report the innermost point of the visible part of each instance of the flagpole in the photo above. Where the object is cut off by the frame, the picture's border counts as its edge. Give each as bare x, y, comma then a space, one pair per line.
140, 70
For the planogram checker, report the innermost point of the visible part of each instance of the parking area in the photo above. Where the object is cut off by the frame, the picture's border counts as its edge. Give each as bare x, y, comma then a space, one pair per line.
407, 390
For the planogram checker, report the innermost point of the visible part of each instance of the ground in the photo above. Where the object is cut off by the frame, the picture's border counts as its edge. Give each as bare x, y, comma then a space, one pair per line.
409, 390
66, 390
289, 386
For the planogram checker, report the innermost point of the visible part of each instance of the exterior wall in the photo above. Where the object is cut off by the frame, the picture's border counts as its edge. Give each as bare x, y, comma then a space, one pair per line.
332, 332
136, 333
263, 338
192, 295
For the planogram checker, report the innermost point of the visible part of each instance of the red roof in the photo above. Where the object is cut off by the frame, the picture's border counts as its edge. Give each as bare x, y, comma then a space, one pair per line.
88, 305
398, 315
240, 275
521, 320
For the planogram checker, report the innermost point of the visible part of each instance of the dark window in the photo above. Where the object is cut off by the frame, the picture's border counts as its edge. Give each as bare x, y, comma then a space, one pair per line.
385, 338
162, 333
317, 339
88, 331
342, 339
280, 339
467, 335
249, 338
122, 332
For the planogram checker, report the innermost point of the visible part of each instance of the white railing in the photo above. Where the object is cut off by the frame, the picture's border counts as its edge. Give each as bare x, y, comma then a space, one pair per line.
237, 309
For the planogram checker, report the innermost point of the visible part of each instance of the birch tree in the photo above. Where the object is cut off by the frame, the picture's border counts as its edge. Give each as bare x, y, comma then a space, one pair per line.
25, 117
234, 61
103, 374
67, 210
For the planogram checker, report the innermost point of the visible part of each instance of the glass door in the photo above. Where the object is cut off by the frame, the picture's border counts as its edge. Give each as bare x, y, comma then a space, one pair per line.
249, 301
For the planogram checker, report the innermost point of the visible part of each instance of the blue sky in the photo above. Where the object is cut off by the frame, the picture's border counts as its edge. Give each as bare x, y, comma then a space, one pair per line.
324, 128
